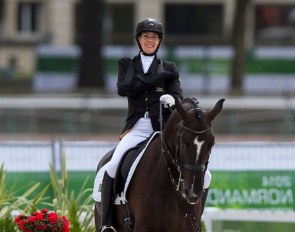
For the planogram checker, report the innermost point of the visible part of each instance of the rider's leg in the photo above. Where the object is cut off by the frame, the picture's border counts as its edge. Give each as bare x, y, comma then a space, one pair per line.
107, 192
107, 196
137, 134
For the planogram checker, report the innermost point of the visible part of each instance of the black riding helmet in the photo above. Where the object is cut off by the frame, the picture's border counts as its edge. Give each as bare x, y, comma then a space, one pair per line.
149, 25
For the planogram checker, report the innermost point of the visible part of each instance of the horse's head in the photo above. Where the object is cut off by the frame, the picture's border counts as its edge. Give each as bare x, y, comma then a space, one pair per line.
194, 141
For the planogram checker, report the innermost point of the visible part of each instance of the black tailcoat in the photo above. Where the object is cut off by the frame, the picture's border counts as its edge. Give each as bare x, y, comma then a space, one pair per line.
144, 96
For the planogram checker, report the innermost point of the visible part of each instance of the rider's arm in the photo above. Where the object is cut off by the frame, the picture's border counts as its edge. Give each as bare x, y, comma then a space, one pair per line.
128, 83
173, 84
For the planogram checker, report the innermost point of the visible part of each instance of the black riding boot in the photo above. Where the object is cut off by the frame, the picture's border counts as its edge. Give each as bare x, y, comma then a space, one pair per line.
107, 199
204, 198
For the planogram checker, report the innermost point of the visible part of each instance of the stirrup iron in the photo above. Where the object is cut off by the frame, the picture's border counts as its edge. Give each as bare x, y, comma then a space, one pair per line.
106, 228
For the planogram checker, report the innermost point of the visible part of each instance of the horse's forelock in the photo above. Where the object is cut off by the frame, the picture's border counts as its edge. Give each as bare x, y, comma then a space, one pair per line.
188, 104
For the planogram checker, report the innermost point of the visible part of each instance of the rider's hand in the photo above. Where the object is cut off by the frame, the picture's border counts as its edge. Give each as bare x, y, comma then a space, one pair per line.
167, 100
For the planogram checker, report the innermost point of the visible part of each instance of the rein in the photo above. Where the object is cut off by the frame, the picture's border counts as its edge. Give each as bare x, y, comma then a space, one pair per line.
165, 149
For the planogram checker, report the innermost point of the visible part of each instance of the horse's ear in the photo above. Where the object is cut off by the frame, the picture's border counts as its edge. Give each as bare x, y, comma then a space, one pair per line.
179, 108
216, 109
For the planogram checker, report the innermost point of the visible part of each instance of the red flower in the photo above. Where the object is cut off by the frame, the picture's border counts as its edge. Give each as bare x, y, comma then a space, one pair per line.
38, 215
52, 217
44, 221
44, 211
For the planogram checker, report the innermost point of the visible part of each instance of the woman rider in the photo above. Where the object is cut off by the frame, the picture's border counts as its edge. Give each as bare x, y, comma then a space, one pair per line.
144, 79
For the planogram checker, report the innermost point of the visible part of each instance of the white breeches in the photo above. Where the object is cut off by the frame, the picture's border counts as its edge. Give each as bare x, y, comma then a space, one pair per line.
138, 133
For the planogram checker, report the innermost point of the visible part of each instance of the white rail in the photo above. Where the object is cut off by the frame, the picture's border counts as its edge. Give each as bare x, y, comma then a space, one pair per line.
214, 214
94, 103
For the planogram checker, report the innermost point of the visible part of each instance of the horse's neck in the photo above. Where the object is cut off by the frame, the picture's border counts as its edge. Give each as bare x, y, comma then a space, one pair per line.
169, 142
169, 134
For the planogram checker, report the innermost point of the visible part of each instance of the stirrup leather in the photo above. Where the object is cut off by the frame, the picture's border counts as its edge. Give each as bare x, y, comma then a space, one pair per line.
103, 228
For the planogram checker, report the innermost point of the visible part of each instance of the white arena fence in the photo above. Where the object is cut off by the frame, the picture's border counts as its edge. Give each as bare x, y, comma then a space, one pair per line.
24, 156
21, 156
252, 185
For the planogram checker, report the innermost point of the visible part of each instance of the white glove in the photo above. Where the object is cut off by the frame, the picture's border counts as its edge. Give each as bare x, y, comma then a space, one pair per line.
167, 100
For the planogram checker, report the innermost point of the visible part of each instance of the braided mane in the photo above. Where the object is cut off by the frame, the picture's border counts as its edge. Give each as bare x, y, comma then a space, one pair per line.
193, 101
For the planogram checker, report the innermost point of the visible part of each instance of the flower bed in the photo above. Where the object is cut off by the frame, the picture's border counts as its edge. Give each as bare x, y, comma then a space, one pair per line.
42, 220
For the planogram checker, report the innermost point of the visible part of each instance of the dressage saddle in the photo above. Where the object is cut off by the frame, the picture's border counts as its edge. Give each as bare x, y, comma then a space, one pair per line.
124, 166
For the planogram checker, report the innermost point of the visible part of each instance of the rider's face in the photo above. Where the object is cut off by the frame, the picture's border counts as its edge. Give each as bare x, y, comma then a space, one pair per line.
149, 42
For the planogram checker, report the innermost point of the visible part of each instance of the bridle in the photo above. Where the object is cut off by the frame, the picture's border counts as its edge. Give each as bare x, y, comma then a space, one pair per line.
176, 161
194, 131
190, 167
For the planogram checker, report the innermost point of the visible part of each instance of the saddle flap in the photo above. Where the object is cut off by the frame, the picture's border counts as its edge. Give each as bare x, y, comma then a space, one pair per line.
125, 165
125, 170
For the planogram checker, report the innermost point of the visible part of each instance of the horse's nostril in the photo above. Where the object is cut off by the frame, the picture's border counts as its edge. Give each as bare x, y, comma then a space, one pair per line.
194, 195
187, 192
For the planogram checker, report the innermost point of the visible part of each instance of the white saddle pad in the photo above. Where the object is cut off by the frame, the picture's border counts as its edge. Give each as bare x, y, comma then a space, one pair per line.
121, 198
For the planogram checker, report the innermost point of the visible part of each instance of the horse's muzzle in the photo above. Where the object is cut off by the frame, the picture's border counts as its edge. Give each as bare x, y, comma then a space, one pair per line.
191, 197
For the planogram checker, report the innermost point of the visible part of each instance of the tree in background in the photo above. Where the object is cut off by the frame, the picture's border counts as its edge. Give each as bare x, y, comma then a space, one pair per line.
91, 68
238, 43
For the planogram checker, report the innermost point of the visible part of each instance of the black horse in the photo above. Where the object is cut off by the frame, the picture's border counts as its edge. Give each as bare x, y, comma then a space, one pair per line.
165, 192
